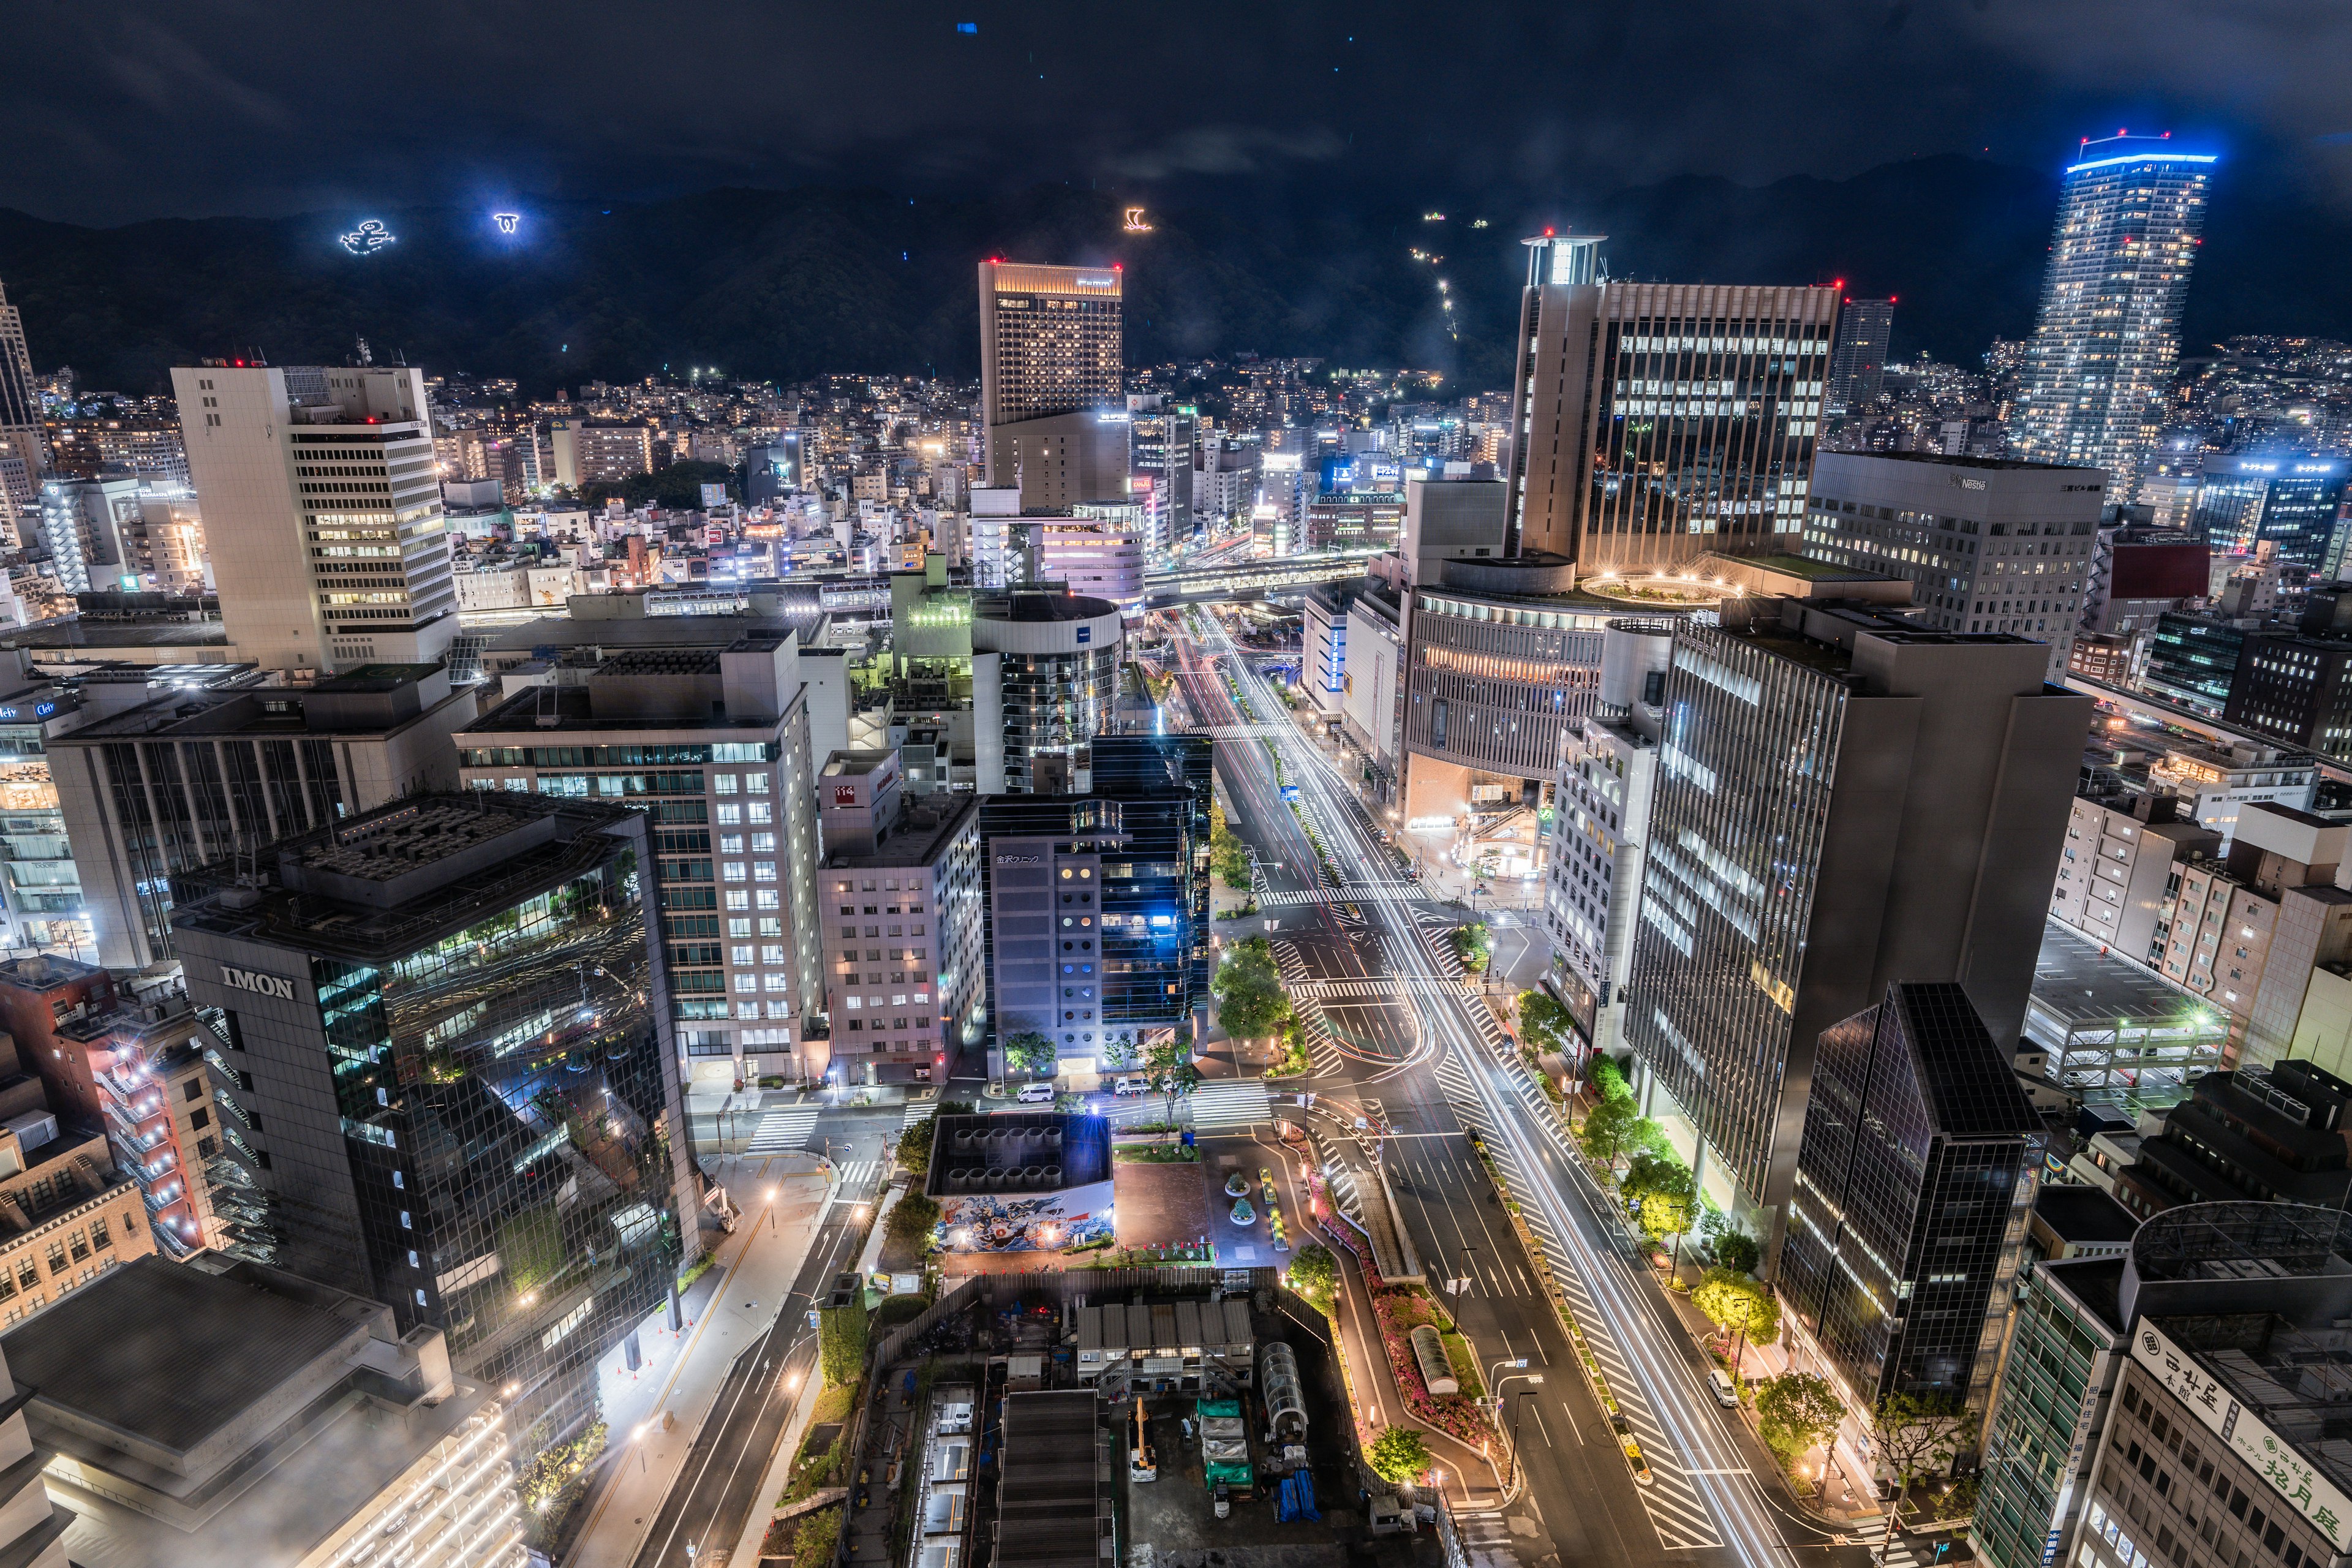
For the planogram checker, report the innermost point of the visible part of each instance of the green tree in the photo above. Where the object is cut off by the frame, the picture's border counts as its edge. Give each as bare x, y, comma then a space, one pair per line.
1472, 947
1397, 1455
911, 1219
1795, 1411
914, 1149
1174, 1073
841, 1344
1613, 1130
1544, 1024
1664, 1191
1733, 1301
1315, 1274
1739, 1251
678, 486
1251, 1003
1029, 1052
1915, 1436
1228, 856
1609, 1080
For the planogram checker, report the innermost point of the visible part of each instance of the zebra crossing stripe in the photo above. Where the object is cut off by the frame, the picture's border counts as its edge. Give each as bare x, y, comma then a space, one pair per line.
1231, 1104
919, 1111
781, 1129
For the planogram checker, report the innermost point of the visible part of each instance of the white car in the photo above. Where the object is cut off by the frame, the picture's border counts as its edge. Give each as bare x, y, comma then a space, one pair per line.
1727, 1393
1034, 1094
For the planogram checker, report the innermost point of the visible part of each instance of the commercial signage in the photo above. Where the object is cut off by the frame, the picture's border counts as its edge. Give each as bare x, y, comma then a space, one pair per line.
1086, 634
844, 795
2290, 1475
260, 985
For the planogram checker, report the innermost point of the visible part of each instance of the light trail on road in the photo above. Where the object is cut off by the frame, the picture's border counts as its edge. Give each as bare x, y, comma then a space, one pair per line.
1666, 1382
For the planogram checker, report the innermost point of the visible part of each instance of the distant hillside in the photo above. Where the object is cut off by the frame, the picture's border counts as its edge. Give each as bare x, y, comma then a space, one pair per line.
787, 284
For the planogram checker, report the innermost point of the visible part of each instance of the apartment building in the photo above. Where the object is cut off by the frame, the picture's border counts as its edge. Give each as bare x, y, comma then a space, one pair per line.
2116, 870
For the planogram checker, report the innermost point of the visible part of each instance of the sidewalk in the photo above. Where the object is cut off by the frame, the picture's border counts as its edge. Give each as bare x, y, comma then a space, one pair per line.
672, 1392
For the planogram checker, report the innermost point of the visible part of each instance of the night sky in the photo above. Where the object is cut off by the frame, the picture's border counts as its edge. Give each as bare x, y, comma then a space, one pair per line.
144, 110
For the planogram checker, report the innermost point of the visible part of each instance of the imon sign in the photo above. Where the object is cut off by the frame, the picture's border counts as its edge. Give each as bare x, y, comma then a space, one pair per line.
260, 985
2291, 1475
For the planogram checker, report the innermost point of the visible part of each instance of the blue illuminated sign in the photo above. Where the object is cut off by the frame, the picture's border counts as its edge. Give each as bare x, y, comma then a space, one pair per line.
508, 222
2145, 158
43, 709
1086, 634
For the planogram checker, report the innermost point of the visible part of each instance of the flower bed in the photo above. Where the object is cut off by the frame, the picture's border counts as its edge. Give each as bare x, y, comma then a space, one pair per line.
1400, 1312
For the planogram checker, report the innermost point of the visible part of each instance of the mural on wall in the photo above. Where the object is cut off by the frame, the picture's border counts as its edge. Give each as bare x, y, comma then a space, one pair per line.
990, 1222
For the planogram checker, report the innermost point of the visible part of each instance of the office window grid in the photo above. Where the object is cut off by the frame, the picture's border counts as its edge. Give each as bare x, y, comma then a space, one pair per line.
2047, 1389
1736, 829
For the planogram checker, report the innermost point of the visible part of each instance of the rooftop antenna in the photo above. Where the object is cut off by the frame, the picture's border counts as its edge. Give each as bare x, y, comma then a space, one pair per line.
365, 358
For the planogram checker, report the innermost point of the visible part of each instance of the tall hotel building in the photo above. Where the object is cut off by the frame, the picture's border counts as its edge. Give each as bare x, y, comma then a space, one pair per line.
1843, 800
1051, 390
23, 455
322, 511
1654, 422
2108, 335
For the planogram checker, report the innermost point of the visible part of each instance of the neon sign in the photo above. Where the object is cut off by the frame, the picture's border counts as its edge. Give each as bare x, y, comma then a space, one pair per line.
1135, 224
368, 239
508, 222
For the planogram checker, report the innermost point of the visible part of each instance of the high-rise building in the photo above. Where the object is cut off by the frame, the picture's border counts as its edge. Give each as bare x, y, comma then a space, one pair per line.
2221, 1442
1908, 828
1988, 544
1044, 677
1915, 1176
713, 745
1161, 438
2290, 500
183, 777
1858, 355
908, 873
88, 525
2042, 1436
1600, 827
2130, 212
1097, 906
322, 511
1051, 383
269, 1419
23, 458
1654, 422
446, 1061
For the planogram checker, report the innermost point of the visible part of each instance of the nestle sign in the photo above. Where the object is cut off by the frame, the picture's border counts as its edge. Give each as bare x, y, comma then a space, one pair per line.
259, 984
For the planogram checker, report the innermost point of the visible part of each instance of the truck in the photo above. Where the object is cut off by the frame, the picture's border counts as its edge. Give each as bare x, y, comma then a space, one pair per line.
1226, 1467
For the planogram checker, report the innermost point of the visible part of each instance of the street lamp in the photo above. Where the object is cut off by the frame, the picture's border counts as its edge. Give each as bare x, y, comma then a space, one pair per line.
772, 1211
639, 1438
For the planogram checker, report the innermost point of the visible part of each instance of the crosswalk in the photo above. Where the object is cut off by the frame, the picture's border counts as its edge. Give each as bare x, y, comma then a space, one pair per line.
1229, 1102
858, 1174
1486, 1540
1350, 893
919, 1111
1377, 988
1903, 1552
781, 1129
1260, 731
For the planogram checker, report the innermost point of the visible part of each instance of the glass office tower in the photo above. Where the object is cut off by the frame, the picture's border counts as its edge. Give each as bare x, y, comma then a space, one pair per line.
1913, 1179
442, 1055
2130, 213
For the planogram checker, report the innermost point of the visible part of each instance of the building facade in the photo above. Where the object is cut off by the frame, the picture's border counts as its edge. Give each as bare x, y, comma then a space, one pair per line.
1907, 826
2290, 501
1858, 355
24, 457
2117, 871
322, 511
1653, 422
2042, 1435
1045, 679
2131, 210
186, 777
1599, 829
448, 1064
1051, 383
1988, 544
908, 873
1914, 1178
713, 748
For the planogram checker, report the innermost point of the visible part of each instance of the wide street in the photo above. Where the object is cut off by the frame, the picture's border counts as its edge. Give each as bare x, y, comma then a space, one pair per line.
1396, 1034
1395, 1029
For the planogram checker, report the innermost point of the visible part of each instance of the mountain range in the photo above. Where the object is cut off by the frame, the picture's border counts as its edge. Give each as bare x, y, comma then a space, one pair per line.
788, 284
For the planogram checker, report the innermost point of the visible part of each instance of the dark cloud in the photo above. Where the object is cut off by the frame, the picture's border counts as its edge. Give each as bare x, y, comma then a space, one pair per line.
152, 108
